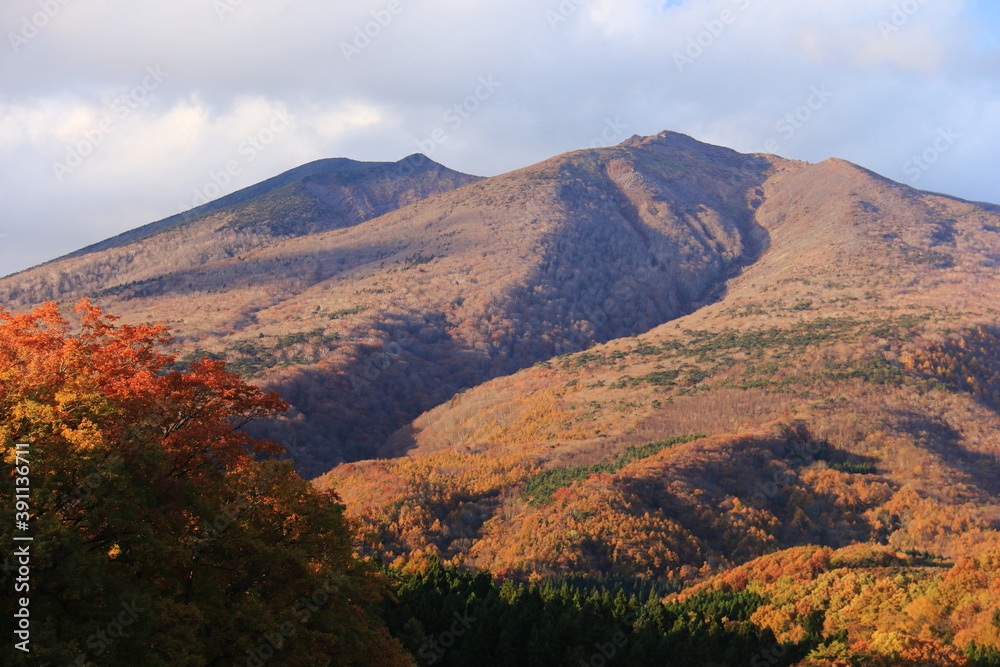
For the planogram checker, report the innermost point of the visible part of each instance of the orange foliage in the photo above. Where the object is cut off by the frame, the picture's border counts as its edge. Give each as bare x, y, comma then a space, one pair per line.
969, 361
109, 385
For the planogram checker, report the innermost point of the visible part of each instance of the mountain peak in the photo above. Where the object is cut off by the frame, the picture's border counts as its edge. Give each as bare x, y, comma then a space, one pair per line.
664, 138
464, 284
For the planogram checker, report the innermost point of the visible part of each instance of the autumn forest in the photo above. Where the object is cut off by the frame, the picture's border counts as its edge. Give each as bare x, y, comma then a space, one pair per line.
660, 403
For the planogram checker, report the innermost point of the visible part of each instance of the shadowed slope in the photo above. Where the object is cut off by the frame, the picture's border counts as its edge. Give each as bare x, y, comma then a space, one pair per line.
846, 385
319, 196
364, 326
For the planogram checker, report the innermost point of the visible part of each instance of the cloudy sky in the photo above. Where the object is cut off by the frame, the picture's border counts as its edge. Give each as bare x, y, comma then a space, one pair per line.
115, 113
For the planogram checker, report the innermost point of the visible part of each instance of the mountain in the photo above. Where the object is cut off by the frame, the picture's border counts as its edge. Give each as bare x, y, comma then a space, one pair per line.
844, 388
364, 326
319, 196
659, 366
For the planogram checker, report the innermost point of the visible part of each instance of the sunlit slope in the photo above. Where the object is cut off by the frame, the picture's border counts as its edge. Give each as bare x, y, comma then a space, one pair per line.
319, 196
846, 389
364, 326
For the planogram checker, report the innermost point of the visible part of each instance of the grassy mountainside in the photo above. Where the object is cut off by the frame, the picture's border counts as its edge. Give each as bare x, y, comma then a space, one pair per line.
319, 196
364, 327
845, 389
824, 439
660, 366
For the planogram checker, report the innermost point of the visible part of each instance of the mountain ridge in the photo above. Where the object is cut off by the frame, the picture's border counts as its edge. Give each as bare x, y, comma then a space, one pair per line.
863, 338
342, 172
484, 279
661, 365
495, 275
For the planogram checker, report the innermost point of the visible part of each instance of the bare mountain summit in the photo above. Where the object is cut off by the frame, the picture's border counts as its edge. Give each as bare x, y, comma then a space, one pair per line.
844, 388
364, 320
369, 293
316, 197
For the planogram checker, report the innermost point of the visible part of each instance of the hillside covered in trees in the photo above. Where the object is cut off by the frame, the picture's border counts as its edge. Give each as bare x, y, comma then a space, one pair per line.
160, 537
159, 533
658, 399
401, 311
845, 390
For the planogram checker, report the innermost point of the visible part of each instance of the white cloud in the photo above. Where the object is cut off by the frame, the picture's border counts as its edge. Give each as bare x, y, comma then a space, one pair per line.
354, 115
561, 84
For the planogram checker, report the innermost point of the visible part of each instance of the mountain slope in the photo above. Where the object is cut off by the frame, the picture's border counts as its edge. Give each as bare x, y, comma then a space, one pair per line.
846, 388
362, 328
797, 399
319, 196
